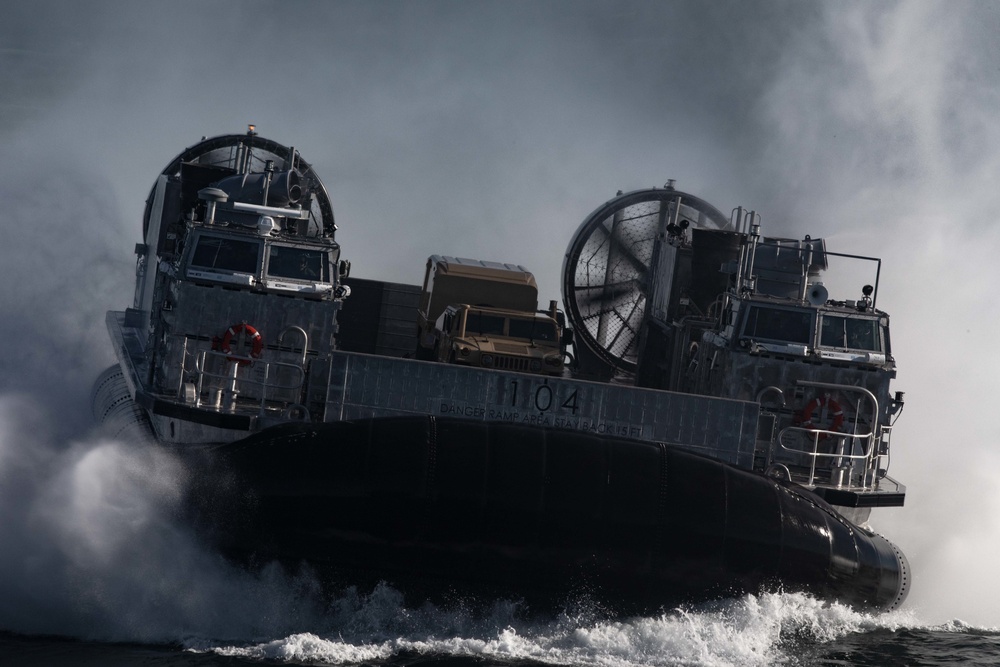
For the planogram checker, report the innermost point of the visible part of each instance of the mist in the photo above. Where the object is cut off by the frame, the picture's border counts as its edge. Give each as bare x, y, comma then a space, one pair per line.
490, 130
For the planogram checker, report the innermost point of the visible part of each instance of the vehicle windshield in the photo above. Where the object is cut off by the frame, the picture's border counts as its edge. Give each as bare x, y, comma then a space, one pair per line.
789, 326
532, 329
226, 254
851, 333
478, 322
297, 264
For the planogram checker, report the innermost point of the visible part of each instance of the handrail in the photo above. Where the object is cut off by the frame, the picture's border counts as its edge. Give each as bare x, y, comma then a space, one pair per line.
769, 389
815, 433
234, 381
816, 454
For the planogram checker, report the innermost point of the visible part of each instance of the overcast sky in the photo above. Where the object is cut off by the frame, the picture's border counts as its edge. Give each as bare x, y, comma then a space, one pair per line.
492, 129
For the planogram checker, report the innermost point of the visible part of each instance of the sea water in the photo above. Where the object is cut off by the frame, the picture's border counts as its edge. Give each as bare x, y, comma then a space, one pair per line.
376, 629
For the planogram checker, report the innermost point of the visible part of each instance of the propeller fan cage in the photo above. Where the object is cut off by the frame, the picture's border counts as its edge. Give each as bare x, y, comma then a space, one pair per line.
609, 266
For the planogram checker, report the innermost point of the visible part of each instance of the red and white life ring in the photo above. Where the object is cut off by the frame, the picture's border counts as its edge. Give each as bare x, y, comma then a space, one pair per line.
833, 409
257, 341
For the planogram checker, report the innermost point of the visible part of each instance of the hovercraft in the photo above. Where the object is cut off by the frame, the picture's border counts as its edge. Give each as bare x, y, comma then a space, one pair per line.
703, 421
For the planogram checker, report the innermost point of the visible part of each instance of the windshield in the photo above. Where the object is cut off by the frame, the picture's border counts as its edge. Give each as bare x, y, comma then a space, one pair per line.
850, 332
477, 322
532, 329
790, 326
218, 253
297, 264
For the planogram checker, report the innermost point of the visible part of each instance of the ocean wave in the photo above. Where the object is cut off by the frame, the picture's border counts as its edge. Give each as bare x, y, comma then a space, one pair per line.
772, 628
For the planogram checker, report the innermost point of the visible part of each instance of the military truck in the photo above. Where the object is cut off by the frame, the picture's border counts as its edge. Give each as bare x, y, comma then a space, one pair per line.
485, 314
496, 338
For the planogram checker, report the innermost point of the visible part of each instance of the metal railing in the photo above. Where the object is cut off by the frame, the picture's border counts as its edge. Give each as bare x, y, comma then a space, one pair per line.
868, 441
224, 388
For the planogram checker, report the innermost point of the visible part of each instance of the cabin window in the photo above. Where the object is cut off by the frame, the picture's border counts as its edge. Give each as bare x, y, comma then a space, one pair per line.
533, 330
478, 322
226, 254
788, 326
298, 264
850, 333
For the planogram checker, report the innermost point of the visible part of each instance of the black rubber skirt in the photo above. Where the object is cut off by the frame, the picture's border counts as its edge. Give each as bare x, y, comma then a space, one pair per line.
427, 502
